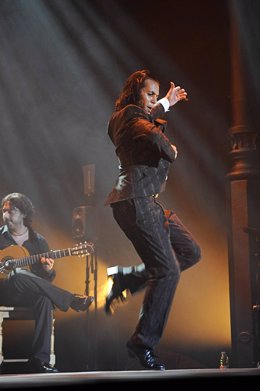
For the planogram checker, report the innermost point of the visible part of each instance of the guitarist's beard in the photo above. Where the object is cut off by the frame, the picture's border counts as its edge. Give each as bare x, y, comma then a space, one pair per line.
12, 226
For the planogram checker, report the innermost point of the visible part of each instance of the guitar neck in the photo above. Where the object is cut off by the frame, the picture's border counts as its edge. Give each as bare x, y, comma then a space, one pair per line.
31, 259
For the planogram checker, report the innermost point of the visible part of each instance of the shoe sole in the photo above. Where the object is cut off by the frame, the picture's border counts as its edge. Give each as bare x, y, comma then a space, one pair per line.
118, 269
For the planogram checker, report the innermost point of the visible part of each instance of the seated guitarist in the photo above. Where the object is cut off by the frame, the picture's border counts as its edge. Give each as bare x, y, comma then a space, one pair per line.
33, 288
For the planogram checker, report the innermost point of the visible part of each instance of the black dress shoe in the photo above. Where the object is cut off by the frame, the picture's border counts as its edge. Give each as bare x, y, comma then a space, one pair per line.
38, 366
118, 294
145, 355
81, 302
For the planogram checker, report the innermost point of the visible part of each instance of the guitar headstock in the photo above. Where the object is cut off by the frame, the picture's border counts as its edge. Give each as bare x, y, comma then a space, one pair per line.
83, 249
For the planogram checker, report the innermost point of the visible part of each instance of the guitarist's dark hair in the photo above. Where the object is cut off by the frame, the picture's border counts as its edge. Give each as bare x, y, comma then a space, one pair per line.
23, 203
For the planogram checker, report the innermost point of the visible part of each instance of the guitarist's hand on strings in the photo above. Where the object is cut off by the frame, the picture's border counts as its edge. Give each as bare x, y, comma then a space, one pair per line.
47, 263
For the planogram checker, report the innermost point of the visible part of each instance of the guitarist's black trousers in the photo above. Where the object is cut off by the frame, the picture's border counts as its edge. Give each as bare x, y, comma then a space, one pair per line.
25, 289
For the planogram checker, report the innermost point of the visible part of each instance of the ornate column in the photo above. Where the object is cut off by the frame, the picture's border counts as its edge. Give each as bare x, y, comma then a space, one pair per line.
243, 206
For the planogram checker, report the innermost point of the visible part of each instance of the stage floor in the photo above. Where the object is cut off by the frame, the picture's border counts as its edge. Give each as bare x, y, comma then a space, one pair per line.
82, 379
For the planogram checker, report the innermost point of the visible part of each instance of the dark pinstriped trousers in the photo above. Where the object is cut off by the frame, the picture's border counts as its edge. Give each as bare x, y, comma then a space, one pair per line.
165, 247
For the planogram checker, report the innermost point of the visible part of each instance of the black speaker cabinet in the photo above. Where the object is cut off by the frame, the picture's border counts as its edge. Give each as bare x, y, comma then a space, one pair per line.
84, 223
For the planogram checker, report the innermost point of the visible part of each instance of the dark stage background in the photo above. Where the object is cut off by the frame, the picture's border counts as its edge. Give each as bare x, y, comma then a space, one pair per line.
62, 65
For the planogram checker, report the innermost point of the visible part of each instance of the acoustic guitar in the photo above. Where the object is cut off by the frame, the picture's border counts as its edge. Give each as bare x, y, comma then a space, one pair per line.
15, 256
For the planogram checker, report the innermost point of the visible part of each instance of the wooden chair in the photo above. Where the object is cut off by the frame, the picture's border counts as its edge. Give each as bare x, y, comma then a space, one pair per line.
20, 313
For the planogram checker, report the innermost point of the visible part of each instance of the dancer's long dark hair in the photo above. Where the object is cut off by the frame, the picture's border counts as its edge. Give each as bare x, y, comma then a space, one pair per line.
130, 93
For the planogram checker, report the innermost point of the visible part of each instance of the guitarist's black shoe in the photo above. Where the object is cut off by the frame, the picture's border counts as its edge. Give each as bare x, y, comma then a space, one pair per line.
81, 302
35, 365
